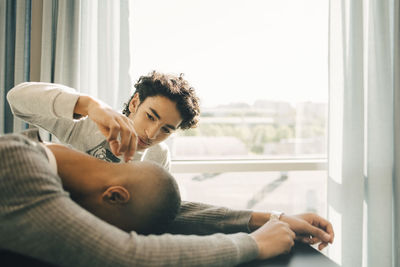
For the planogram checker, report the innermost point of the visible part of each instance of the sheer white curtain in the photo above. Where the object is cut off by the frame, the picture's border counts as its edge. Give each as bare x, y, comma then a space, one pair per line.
364, 134
105, 51
85, 45
80, 43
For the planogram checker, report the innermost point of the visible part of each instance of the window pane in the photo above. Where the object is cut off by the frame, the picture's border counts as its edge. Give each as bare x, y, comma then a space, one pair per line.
259, 67
293, 192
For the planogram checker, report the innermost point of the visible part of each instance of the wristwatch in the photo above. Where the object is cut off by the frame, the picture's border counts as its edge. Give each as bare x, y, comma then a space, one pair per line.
275, 215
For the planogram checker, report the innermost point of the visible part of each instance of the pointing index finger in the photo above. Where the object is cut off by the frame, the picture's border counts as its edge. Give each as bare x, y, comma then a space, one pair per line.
133, 142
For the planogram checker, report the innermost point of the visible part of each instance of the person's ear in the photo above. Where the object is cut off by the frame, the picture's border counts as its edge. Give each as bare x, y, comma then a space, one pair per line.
116, 195
134, 104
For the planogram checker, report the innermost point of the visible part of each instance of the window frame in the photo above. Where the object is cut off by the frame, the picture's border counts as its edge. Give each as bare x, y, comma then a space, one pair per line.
219, 166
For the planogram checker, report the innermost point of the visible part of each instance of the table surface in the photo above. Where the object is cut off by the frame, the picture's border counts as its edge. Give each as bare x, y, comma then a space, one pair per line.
302, 255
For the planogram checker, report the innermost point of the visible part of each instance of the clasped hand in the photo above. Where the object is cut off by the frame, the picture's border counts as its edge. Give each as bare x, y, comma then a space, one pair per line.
278, 236
311, 229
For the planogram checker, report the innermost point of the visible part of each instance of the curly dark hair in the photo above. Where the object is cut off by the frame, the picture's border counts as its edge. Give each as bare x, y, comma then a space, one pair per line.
174, 88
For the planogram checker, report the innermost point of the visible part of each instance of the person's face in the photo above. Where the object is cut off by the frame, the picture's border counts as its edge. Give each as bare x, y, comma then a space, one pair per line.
155, 119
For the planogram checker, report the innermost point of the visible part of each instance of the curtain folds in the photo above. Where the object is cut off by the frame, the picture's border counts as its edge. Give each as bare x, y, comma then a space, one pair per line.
85, 45
80, 43
105, 48
59, 43
14, 55
363, 187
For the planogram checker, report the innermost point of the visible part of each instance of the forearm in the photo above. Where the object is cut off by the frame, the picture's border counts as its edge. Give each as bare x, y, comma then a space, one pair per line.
200, 218
37, 102
84, 104
258, 219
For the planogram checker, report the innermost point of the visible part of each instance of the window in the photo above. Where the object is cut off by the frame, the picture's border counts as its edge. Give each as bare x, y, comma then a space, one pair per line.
260, 70
259, 67
292, 192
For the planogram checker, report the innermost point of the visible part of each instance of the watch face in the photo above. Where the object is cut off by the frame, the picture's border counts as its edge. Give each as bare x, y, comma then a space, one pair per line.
275, 215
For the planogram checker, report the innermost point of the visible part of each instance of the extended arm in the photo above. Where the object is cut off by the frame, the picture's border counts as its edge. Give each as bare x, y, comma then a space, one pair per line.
51, 227
53, 108
202, 219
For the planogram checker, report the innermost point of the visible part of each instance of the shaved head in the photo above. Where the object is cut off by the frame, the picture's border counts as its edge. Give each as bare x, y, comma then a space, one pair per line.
135, 196
156, 198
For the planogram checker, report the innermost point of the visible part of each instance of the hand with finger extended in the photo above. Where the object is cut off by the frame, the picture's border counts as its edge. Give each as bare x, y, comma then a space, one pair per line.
113, 124
273, 238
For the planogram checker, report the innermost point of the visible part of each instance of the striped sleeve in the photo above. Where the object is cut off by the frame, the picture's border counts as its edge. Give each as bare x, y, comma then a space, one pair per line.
38, 219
